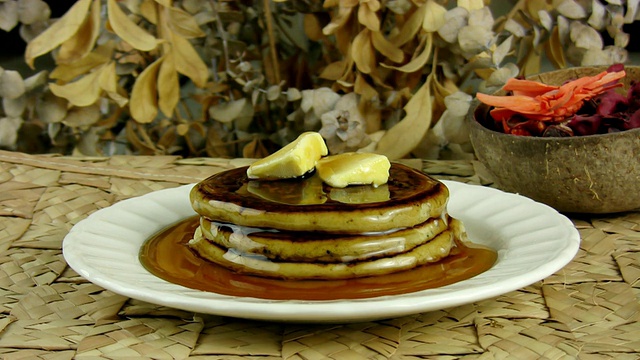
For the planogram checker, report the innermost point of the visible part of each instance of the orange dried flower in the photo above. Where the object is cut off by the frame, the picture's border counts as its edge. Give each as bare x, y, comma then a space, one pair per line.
547, 104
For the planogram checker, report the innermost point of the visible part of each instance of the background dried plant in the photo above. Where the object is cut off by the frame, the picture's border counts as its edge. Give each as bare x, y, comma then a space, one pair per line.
242, 78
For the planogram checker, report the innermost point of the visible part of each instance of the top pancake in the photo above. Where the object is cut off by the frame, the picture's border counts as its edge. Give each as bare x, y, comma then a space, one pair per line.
410, 197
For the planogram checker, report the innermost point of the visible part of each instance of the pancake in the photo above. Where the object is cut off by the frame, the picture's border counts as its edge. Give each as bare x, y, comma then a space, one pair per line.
410, 197
319, 247
252, 264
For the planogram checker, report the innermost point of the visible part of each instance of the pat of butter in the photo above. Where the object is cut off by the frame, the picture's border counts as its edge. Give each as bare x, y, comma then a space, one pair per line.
293, 160
354, 169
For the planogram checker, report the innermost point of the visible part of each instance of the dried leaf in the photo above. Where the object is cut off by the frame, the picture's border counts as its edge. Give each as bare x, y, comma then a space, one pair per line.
362, 52
410, 28
108, 79
188, 62
481, 17
471, 4
334, 71
68, 72
632, 10
168, 86
571, 9
473, 38
554, 50
11, 84
499, 77
59, 32
433, 16
36, 80
419, 61
139, 142
455, 19
149, 10
255, 149
274, 92
228, 111
9, 128
183, 24
368, 18
387, 48
502, 50
82, 92
531, 64
51, 109
129, 31
338, 20
143, 105
81, 44
293, 94
8, 15
584, 36
400, 139
14, 107
597, 20
515, 28
33, 11
545, 20
312, 27
82, 117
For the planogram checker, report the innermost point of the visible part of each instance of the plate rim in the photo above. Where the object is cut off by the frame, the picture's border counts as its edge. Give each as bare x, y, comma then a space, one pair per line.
309, 311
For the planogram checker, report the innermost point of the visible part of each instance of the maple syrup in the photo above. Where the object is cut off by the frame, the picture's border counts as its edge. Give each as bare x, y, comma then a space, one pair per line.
167, 256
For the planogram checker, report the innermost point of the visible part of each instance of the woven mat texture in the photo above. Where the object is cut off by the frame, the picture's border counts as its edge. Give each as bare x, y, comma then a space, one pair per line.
588, 310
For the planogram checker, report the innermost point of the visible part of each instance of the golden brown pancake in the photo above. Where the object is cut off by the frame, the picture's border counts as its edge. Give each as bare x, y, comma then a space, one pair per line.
410, 197
244, 263
319, 247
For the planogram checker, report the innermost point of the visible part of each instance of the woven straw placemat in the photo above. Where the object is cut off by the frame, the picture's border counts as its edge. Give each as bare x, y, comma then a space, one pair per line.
588, 310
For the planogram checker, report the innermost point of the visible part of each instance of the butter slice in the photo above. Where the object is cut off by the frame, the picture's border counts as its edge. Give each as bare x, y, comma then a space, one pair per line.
346, 169
293, 160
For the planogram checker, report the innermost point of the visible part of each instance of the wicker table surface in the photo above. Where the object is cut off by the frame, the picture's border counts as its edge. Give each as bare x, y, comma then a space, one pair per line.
588, 310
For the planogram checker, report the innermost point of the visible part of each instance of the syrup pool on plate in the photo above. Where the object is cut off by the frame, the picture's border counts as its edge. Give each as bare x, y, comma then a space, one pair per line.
167, 256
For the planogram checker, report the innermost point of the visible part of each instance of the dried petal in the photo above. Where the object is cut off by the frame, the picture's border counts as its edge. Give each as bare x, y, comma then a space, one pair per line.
368, 18
471, 4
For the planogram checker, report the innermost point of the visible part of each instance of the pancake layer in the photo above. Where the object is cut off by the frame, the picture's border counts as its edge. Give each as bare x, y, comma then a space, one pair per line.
409, 198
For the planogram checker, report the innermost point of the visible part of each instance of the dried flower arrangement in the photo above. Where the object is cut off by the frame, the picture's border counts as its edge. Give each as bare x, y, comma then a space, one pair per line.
242, 78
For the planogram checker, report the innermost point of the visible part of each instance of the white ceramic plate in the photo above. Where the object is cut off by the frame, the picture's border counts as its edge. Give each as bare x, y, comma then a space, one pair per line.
532, 240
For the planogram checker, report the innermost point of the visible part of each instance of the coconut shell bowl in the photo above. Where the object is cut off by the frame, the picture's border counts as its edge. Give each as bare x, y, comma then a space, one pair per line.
574, 174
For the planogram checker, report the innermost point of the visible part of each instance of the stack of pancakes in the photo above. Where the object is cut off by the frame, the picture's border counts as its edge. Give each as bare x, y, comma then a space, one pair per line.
304, 229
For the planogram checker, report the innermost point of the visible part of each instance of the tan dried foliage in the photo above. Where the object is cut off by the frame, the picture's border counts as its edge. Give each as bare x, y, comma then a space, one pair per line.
225, 78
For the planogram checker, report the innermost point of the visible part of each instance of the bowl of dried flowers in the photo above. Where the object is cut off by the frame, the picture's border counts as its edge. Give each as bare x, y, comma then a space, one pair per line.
569, 138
